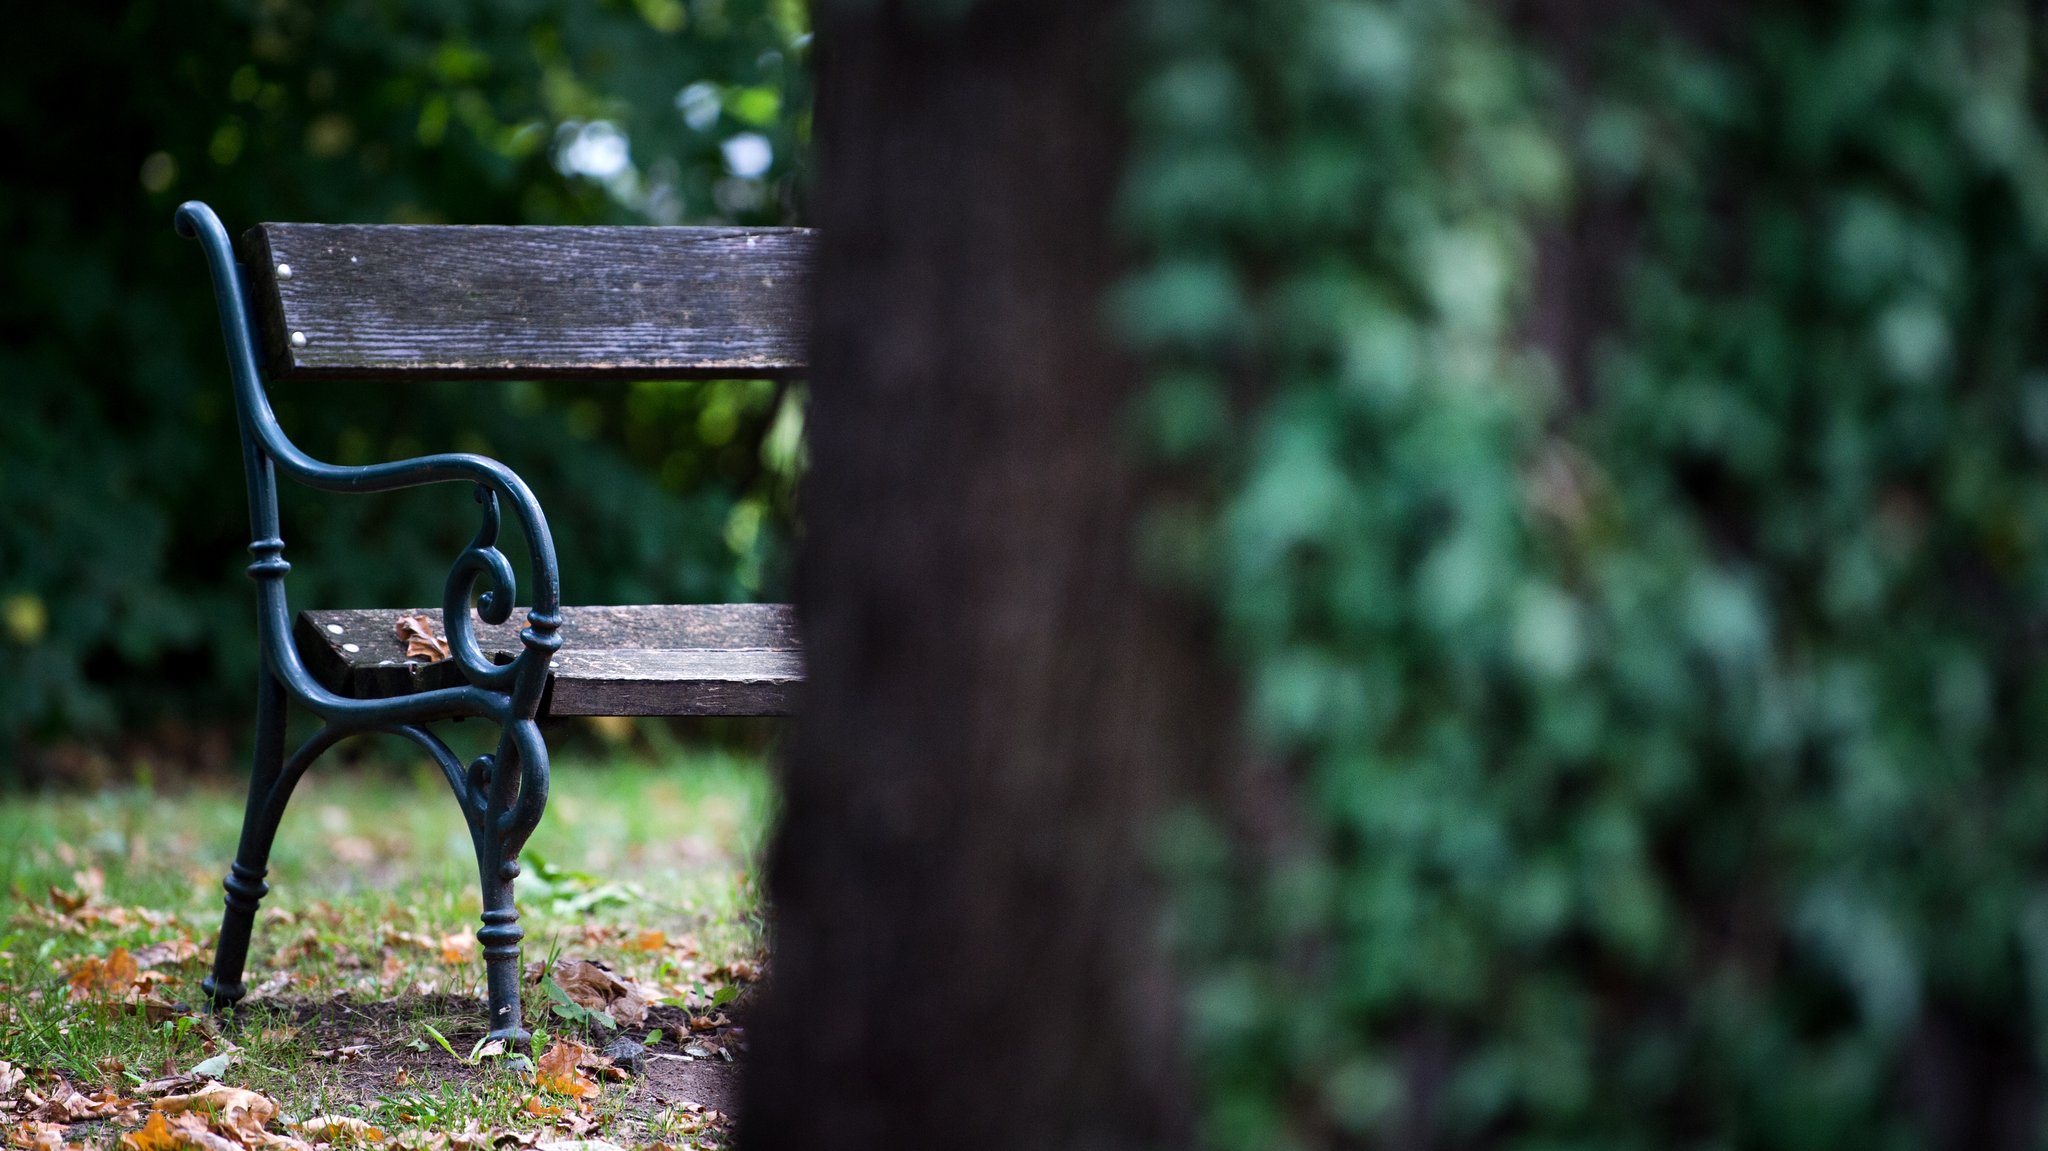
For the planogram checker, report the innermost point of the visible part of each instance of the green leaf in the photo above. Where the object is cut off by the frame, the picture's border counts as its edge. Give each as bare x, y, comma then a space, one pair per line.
440, 1039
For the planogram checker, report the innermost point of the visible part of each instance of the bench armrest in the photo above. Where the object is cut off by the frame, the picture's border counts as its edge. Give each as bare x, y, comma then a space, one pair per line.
266, 447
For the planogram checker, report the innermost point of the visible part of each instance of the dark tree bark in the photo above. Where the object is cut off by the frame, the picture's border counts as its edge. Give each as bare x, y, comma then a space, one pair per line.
966, 947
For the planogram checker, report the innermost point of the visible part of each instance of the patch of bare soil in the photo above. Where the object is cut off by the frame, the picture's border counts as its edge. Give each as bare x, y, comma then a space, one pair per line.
364, 1052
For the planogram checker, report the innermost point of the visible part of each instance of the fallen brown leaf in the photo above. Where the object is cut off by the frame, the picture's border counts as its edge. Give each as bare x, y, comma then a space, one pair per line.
88, 916
38, 1135
532, 1105
689, 1118
109, 978
306, 946
176, 1133
66, 1104
90, 884
416, 632
338, 1129
271, 986
558, 1073
165, 1086
738, 971
156, 1008
233, 1110
396, 938
170, 951
459, 947
593, 985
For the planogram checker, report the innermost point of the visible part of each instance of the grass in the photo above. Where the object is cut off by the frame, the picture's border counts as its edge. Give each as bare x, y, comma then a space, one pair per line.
365, 951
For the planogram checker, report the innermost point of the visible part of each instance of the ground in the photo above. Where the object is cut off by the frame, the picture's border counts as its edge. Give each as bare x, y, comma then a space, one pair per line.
368, 983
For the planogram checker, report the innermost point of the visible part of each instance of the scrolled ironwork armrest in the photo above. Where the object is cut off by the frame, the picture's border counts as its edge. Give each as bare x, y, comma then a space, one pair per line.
521, 680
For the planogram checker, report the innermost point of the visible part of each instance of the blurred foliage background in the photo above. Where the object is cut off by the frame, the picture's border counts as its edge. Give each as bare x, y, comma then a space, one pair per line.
1614, 436
123, 612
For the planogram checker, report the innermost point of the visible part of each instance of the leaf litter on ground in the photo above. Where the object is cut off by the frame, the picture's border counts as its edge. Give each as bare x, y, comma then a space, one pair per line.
99, 988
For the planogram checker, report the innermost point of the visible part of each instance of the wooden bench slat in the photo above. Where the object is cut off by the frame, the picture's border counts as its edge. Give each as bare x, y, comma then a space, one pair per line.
632, 681
687, 659
396, 301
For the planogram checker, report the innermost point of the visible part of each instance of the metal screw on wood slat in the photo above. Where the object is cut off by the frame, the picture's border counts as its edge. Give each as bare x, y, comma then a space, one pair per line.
284, 271
298, 339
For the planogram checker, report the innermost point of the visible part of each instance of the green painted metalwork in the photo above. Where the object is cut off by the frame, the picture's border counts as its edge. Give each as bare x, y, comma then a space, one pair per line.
501, 794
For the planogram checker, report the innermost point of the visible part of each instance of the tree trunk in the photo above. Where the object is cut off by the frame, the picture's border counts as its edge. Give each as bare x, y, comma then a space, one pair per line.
966, 949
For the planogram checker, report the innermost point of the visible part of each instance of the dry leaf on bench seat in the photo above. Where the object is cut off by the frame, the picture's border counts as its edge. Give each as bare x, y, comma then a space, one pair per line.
416, 632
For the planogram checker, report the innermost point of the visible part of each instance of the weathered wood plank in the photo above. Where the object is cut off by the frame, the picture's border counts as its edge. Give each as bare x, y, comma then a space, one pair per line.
692, 659
754, 681
442, 302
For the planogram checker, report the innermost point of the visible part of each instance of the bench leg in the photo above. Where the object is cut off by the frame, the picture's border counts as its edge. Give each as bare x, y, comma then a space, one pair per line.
499, 937
513, 786
502, 796
244, 884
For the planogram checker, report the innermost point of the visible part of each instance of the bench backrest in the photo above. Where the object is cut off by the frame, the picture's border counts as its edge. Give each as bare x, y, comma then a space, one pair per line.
346, 301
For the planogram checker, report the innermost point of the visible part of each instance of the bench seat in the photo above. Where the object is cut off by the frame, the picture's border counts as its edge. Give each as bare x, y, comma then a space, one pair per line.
685, 659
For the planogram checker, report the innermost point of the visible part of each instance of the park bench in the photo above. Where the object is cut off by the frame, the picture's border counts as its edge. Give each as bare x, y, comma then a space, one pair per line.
337, 305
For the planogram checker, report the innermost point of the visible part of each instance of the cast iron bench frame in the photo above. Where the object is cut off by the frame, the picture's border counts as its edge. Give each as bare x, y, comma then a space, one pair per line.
394, 302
